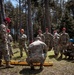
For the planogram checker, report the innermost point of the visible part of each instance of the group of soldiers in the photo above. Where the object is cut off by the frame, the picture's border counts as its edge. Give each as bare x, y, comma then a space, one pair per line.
37, 50
54, 40
5, 44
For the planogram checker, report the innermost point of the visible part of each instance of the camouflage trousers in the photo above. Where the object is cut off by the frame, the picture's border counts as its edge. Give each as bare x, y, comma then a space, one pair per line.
63, 47
10, 49
49, 45
35, 60
4, 53
56, 50
22, 47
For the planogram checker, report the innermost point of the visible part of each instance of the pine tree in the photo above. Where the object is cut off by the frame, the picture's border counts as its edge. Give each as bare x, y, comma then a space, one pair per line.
68, 22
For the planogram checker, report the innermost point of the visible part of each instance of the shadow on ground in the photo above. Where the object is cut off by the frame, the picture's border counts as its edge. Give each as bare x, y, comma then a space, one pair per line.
27, 71
17, 57
51, 56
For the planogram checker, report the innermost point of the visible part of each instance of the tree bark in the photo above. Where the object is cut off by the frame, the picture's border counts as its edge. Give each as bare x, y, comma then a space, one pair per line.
2, 11
29, 22
47, 15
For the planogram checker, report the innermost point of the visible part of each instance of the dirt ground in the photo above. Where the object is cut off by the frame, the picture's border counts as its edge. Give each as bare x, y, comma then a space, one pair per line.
60, 67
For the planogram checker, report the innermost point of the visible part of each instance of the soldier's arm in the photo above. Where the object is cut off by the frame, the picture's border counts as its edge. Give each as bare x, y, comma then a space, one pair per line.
68, 38
45, 48
43, 38
52, 42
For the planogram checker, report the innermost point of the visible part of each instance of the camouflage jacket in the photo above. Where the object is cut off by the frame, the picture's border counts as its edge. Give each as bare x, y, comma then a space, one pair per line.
37, 49
64, 38
48, 36
3, 38
22, 39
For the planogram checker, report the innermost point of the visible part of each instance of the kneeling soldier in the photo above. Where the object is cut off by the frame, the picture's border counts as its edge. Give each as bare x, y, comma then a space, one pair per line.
37, 53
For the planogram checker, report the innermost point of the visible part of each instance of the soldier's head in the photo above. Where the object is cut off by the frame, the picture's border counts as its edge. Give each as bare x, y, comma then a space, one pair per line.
38, 38
7, 20
39, 31
8, 30
63, 29
21, 31
55, 31
2, 28
47, 30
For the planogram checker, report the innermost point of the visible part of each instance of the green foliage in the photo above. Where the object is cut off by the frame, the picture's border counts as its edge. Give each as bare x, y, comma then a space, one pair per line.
67, 21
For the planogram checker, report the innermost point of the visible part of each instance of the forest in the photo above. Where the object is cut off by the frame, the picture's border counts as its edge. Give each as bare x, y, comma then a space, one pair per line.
33, 15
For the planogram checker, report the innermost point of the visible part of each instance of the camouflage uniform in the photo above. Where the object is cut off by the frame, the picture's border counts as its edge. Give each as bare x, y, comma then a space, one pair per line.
10, 39
49, 40
22, 43
4, 44
63, 41
37, 52
56, 44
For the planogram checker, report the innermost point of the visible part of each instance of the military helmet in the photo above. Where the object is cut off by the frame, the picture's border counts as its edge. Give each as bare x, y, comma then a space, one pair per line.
71, 40
2, 26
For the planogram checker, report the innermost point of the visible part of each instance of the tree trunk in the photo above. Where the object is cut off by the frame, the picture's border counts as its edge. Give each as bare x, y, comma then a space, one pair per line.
29, 22
47, 15
2, 11
20, 23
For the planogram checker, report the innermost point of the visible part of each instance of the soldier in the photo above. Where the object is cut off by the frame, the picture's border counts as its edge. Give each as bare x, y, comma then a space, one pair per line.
4, 51
22, 42
56, 43
63, 41
10, 39
48, 39
70, 50
37, 53
41, 35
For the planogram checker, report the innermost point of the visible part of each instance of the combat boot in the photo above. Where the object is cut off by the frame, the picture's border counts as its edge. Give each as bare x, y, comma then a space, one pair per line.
41, 66
1, 63
32, 66
8, 65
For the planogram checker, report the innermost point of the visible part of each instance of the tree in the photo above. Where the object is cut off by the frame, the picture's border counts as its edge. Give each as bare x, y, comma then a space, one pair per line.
30, 22
70, 7
2, 10
68, 22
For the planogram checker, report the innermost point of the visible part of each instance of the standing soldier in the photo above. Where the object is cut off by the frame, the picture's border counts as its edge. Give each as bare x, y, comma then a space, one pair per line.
22, 42
63, 41
41, 35
4, 51
10, 39
56, 43
48, 39
37, 53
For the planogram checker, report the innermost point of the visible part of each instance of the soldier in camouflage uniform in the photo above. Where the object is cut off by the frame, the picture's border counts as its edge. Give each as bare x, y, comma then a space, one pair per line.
56, 44
22, 42
4, 51
63, 41
10, 39
48, 39
41, 35
37, 53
